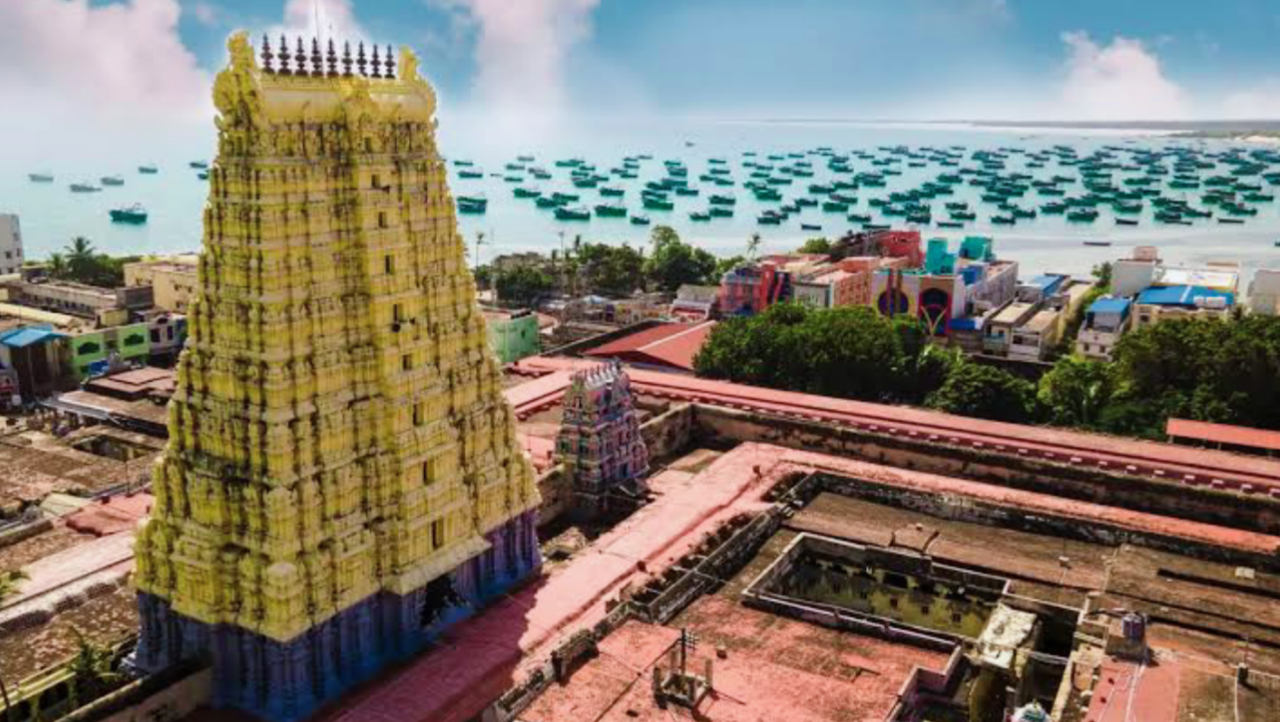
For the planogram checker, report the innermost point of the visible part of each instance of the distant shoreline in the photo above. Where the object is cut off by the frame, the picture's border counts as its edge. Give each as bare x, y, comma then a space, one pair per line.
1254, 130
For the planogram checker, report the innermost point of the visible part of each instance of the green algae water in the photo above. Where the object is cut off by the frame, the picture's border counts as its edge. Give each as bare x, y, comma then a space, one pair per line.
174, 197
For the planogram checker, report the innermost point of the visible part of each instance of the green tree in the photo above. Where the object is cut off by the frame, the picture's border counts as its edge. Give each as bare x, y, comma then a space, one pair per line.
849, 352
754, 243
1102, 272
523, 285
723, 266
57, 265
609, 270
674, 263
1076, 392
815, 245
80, 257
974, 389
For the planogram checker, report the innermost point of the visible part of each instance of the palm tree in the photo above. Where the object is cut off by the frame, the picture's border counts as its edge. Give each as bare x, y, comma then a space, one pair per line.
753, 246
57, 265
80, 257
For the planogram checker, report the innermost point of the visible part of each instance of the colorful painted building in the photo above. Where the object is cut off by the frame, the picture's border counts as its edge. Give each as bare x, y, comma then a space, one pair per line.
342, 479
600, 443
751, 289
93, 351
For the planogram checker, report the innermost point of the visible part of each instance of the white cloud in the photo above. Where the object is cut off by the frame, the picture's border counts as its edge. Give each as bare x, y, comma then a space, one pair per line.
521, 49
119, 59
1119, 81
321, 19
1258, 103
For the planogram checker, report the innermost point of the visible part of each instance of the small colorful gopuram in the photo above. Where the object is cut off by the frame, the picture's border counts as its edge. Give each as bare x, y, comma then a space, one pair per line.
342, 478
600, 443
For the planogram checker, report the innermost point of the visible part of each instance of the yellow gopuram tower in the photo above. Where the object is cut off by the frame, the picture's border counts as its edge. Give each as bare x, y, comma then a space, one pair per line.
342, 478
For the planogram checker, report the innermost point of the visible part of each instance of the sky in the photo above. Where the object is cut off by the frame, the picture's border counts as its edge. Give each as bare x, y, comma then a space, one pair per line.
145, 66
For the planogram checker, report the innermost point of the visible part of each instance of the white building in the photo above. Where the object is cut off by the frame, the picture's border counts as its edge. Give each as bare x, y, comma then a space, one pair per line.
10, 244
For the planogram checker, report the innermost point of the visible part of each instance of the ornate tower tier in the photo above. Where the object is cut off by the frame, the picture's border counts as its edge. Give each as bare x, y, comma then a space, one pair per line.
600, 443
342, 478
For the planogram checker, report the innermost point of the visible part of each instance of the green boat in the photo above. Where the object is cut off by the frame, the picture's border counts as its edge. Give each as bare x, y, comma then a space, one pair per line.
721, 211
950, 224
657, 203
1082, 215
858, 218
640, 220
148, 169
1003, 220
573, 213
565, 197
835, 207
719, 200
527, 192
699, 216
686, 191
470, 174
612, 191
548, 202
135, 214
611, 210
472, 205
198, 164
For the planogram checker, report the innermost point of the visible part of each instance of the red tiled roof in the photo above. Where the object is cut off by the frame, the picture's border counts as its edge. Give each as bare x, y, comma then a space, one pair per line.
672, 345
1223, 434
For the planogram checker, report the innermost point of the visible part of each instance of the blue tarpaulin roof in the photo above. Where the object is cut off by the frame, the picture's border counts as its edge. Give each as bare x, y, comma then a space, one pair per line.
1110, 305
1181, 295
28, 335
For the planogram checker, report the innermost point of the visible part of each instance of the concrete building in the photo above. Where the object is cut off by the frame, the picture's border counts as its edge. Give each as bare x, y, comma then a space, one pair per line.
172, 279
1035, 339
343, 480
695, 303
513, 335
1105, 321
96, 351
751, 289
998, 328
105, 306
1163, 303
1041, 288
10, 244
1264, 292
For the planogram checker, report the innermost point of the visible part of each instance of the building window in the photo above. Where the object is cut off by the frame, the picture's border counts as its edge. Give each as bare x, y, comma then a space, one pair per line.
155, 335
374, 182
389, 263
382, 219
406, 362
420, 413
397, 312
437, 533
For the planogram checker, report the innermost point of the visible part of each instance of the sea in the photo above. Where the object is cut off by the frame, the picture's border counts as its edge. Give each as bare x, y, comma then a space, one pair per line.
51, 215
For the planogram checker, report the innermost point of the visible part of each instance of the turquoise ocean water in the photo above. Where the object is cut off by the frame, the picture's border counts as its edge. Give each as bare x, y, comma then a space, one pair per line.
51, 214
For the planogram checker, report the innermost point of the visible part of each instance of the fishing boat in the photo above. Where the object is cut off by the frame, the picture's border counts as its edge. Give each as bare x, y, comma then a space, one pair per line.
1098, 243
470, 174
1126, 221
950, 224
610, 210
613, 191
1003, 220
810, 227
40, 177
547, 202
1232, 221
135, 214
111, 180
565, 197
1082, 215
858, 218
640, 220
722, 200
203, 175
769, 219
473, 205
573, 213
148, 169
699, 216
197, 164
721, 211
658, 203
84, 188
526, 192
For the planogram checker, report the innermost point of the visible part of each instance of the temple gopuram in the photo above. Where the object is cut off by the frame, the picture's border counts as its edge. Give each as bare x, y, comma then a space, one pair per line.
600, 443
342, 479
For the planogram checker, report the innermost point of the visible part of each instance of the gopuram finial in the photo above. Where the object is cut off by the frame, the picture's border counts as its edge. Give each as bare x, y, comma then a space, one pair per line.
266, 54
346, 59
377, 64
361, 61
283, 55
391, 63
332, 60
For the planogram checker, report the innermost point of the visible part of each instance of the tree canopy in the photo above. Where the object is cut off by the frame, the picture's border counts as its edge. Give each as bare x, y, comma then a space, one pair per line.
523, 285
674, 263
80, 262
815, 245
609, 270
